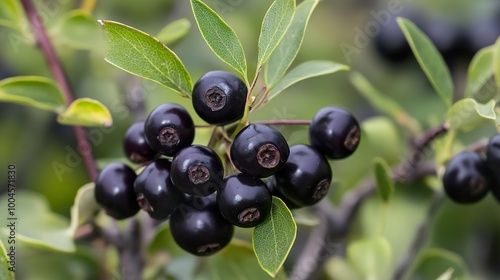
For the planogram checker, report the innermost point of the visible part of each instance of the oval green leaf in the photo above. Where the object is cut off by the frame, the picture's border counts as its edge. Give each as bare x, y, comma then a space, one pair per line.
371, 257
5, 267
39, 92
79, 30
432, 263
480, 77
84, 208
430, 60
273, 239
174, 31
304, 71
143, 55
274, 26
86, 112
467, 114
385, 184
220, 37
288, 48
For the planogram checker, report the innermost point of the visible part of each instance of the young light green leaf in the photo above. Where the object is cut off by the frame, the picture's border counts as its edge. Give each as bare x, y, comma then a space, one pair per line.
447, 275
5, 265
431, 264
79, 30
480, 75
304, 71
143, 55
84, 207
288, 48
371, 257
467, 114
39, 92
430, 60
273, 239
274, 26
174, 31
496, 58
11, 14
383, 103
220, 37
86, 112
385, 185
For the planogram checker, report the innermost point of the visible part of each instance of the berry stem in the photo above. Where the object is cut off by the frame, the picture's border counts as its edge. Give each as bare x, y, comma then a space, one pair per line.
262, 100
285, 122
45, 45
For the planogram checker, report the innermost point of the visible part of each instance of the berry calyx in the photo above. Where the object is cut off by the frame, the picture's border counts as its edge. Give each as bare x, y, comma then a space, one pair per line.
169, 128
243, 200
114, 191
334, 132
197, 170
259, 150
219, 97
467, 178
155, 192
135, 146
305, 178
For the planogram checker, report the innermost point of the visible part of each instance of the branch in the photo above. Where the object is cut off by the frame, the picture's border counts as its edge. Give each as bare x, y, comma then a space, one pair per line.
54, 64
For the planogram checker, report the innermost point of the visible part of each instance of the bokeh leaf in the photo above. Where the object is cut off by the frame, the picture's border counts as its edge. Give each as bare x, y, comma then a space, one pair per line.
86, 112
371, 257
174, 31
220, 37
288, 48
431, 264
143, 55
273, 239
467, 114
385, 185
39, 92
79, 30
430, 60
304, 71
11, 14
274, 26
5, 273
447, 275
496, 57
481, 70
84, 207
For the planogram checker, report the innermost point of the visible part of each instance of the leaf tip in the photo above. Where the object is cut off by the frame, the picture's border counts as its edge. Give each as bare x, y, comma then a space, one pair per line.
101, 22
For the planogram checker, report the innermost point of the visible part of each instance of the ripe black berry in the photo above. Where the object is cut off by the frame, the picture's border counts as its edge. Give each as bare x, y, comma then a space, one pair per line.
467, 178
155, 192
271, 185
135, 146
305, 178
493, 161
243, 200
259, 150
219, 97
334, 132
198, 227
391, 43
169, 128
197, 170
114, 191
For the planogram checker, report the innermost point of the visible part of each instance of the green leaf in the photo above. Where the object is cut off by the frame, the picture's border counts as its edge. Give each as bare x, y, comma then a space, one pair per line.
220, 37
286, 51
143, 55
385, 185
274, 26
467, 114
11, 14
84, 207
430, 60
34, 91
480, 76
431, 264
304, 71
36, 225
5, 273
86, 112
371, 257
384, 104
79, 30
497, 62
273, 239
174, 31
447, 275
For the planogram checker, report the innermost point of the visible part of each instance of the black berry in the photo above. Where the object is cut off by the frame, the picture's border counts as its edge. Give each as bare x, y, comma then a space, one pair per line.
135, 146
391, 43
334, 132
243, 200
259, 150
155, 192
197, 170
169, 128
271, 185
198, 227
305, 179
467, 178
114, 191
445, 35
493, 161
219, 97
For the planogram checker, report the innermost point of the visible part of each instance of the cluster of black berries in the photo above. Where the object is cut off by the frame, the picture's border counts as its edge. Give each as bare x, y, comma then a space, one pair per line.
469, 176
186, 183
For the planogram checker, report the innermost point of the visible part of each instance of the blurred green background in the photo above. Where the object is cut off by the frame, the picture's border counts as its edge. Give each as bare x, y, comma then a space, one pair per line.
32, 140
